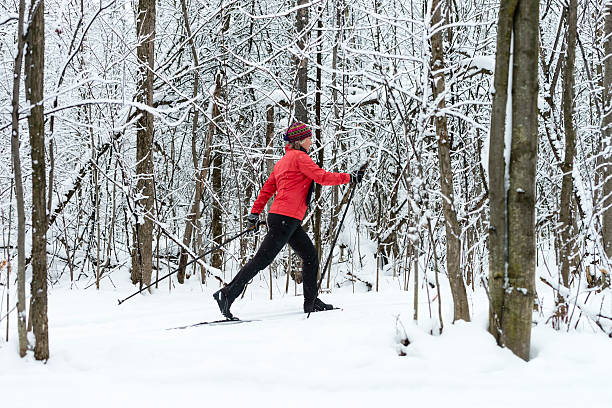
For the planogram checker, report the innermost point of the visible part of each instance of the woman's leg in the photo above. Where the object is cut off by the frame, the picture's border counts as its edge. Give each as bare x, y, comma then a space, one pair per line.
302, 245
280, 229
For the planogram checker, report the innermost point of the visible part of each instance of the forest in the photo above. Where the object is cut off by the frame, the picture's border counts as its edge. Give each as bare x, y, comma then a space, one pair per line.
135, 136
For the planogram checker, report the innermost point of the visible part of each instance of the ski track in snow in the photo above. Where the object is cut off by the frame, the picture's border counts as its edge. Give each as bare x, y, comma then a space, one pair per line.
105, 355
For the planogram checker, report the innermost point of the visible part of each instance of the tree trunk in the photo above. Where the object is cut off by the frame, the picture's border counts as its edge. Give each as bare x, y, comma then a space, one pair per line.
453, 229
519, 292
16, 160
415, 316
566, 234
199, 185
318, 144
497, 191
269, 138
338, 6
514, 292
301, 106
34, 70
606, 133
195, 206
216, 220
269, 163
143, 254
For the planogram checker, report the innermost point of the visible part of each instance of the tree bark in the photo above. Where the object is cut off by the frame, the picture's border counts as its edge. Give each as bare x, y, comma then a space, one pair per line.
606, 133
519, 292
318, 144
199, 184
512, 253
16, 161
566, 235
195, 206
269, 167
269, 138
217, 214
453, 229
497, 191
301, 106
143, 254
34, 71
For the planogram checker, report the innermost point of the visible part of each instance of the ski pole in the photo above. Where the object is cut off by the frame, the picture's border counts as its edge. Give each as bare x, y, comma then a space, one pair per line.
195, 259
331, 251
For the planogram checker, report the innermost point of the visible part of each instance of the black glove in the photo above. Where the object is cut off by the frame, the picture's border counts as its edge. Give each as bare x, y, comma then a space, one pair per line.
357, 175
253, 222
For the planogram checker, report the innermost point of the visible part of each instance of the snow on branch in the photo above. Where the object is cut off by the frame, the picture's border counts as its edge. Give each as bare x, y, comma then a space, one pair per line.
279, 13
9, 18
484, 63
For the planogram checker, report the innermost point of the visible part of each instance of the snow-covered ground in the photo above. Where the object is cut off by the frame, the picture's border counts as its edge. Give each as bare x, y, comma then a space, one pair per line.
104, 355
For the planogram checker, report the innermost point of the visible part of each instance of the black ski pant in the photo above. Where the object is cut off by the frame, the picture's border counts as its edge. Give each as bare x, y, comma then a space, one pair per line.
281, 230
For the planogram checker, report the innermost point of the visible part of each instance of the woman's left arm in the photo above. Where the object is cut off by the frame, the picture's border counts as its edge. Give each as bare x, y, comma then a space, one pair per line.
307, 166
267, 191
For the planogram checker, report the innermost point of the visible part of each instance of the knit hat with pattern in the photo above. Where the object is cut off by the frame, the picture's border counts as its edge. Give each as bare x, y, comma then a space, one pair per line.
297, 131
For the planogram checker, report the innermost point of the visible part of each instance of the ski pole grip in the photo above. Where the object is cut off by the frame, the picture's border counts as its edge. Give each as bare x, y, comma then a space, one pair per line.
256, 226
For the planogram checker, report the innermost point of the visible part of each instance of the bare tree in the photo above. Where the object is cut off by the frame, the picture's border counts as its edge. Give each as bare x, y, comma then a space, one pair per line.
606, 131
497, 189
200, 178
512, 201
142, 257
318, 142
16, 160
301, 103
566, 234
217, 214
34, 72
453, 229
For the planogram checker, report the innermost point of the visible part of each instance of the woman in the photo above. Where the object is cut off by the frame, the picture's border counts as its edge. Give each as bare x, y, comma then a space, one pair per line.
292, 179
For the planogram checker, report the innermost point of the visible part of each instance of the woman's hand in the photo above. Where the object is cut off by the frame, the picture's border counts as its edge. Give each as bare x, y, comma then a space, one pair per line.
253, 222
357, 175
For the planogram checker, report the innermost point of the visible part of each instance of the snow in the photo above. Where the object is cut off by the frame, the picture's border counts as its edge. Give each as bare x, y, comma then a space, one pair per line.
107, 355
8, 17
280, 95
356, 96
480, 62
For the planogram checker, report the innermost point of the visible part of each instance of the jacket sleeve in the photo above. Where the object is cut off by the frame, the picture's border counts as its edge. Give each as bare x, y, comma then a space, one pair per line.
320, 176
267, 191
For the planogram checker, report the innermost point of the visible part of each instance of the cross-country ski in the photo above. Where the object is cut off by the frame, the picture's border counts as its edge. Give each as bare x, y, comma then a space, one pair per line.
223, 322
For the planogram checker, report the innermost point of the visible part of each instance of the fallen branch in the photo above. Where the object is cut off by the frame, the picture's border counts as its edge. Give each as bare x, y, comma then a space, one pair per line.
587, 313
353, 277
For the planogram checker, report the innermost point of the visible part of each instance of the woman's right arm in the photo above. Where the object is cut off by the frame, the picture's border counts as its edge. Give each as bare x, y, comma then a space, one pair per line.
267, 191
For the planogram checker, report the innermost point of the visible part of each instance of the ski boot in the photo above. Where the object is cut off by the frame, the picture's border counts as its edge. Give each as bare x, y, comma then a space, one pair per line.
224, 303
316, 306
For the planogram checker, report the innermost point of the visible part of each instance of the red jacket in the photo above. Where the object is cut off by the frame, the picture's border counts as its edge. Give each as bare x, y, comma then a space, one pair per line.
290, 180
